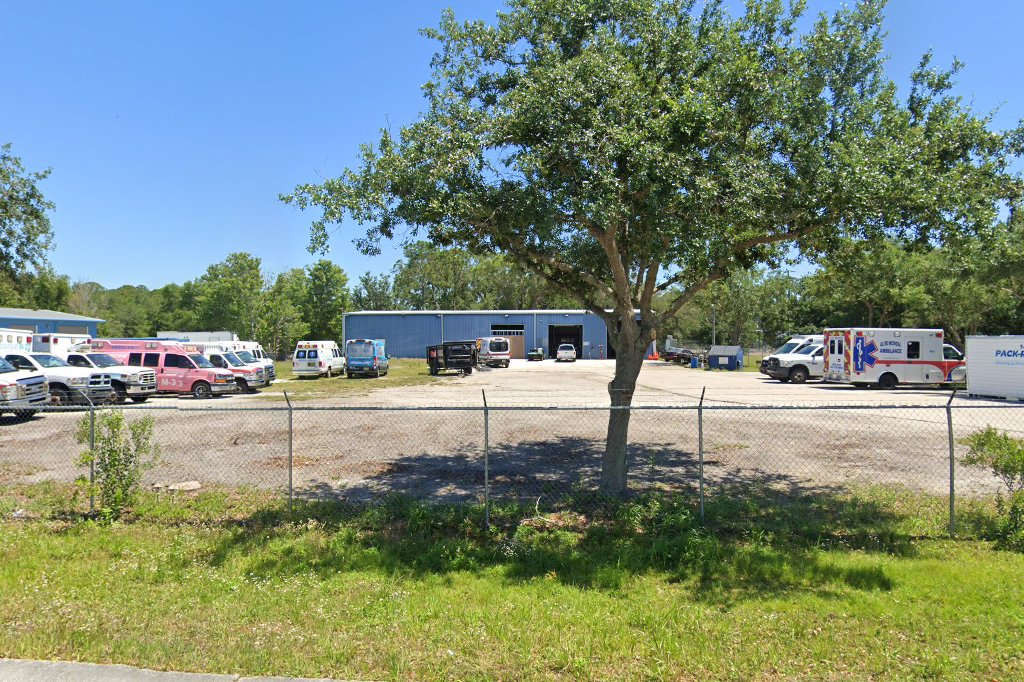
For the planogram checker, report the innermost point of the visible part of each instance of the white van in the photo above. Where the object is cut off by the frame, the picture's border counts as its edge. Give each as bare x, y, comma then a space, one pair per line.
313, 358
888, 357
493, 351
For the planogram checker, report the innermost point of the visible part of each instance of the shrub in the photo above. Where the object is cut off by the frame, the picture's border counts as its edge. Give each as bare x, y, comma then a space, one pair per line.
1004, 455
122, 451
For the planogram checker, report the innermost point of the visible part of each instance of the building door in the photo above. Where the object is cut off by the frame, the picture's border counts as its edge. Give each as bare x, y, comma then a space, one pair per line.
565, 333
516, 339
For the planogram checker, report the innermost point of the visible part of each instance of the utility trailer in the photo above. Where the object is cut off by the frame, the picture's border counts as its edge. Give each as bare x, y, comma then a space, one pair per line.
451, 356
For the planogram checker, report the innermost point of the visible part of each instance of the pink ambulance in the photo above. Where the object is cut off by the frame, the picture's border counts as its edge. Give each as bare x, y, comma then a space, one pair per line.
177, 369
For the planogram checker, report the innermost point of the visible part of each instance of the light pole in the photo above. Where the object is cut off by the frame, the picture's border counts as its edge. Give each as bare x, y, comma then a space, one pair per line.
714, 326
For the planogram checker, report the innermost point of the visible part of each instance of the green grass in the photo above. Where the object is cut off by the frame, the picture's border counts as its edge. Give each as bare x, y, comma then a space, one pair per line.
402, 372
851, 586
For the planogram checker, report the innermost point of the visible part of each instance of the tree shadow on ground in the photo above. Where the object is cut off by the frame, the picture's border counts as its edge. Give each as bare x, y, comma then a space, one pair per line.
422, 516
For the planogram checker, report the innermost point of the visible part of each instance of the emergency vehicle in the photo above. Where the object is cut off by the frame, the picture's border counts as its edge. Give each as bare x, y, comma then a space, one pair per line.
493, 351
248, 376
177, 370
888, 357
313, 358
21, 391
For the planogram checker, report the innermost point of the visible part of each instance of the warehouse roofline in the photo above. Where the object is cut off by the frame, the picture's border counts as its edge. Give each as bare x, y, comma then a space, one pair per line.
42, 314
474, 312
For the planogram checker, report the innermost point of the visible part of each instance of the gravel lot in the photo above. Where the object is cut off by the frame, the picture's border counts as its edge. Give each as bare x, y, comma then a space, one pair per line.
839, 436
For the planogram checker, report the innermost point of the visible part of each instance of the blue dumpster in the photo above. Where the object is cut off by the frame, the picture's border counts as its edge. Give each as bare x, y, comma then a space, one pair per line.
725, 357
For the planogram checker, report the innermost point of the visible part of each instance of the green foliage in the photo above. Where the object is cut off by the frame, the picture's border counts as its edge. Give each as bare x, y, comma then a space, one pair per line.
25, 232
327, 299
281, 322
122, 451
373, 293
1004, 456
1000, 452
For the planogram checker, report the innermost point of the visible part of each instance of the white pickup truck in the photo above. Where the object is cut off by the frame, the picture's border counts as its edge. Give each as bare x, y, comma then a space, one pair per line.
22, 391
137, 383
806, 363
68, 385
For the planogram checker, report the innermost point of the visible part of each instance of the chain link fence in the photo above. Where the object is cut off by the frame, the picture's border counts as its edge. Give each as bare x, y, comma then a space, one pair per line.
538, 455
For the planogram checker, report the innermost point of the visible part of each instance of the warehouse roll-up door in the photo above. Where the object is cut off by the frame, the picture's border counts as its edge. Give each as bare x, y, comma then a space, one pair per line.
516, 339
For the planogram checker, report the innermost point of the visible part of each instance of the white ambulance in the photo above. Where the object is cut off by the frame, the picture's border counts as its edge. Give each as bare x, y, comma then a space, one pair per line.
493, 351
888, 357
313, 358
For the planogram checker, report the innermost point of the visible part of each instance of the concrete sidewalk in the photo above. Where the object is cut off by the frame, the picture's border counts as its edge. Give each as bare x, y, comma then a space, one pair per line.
57, 671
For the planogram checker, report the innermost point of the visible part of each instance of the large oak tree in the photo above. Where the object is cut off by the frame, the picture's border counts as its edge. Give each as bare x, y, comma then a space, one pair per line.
623, 149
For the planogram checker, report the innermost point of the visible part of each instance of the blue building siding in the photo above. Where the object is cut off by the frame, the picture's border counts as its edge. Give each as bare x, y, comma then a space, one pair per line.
48, 326
408, 334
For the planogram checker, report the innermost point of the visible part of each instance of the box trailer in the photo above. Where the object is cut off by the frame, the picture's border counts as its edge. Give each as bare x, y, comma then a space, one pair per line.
887, 357
995, 367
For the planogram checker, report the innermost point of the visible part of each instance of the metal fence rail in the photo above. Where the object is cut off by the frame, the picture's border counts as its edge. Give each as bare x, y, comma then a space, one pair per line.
537, 454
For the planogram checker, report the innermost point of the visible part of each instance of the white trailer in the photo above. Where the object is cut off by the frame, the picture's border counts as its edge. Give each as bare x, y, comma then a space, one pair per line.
996, 368
887, 357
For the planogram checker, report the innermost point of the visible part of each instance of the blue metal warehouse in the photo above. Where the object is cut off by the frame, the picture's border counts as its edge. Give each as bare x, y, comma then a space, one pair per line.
408, 333
47, 321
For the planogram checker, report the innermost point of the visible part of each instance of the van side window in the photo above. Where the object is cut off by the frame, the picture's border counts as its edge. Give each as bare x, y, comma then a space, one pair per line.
180, 361
151, 360
135, 359
950, 353
913, 350
217, 361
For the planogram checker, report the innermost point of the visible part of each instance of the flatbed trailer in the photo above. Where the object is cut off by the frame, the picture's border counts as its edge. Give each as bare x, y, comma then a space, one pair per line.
451, 356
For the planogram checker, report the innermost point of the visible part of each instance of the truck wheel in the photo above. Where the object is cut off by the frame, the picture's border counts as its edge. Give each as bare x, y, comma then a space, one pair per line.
798, 375
139, 398
243, 386
201, 389
329, 374
118, 394
469, 370
888, 381
60, 396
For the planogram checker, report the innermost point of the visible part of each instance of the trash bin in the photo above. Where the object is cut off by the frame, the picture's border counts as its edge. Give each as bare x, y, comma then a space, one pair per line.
694, 362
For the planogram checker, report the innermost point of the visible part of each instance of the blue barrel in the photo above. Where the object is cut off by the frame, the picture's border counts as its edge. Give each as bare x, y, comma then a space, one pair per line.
694, 362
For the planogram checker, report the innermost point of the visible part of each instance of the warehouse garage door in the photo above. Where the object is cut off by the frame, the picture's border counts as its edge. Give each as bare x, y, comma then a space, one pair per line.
565, 333
515, 333
72, 329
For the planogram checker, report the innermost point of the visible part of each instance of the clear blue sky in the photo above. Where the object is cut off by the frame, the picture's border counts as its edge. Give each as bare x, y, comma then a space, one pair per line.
171, 127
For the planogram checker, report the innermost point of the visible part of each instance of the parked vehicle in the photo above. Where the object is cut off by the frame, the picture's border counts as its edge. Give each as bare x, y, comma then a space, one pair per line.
566, 353
22, 392
535, 355
68, 385
795, 344
997, 366
493, 351
58, 344
209, 348
247, 377
458, 356
137, 383
315, 358
806, 363
177, 370
679, 355
889, 357
259, 355
15, 340
367, 357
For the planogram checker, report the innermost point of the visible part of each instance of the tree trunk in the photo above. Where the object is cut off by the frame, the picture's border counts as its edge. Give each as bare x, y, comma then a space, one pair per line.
629, 359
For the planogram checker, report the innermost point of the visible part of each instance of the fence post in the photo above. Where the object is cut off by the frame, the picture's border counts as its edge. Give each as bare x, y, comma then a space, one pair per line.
92, 456
290, 434
487, 462
700, 449
952, 465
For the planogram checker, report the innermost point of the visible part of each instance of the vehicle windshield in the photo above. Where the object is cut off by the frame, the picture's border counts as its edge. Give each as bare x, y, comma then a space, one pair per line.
499, 346
788, 347
103, 360
6, 367
807, 351
245, 356
362, 349
201, 361
45, 360
234, 360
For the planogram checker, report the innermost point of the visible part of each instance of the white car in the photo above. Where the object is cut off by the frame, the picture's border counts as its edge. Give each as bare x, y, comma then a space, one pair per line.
566, 352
